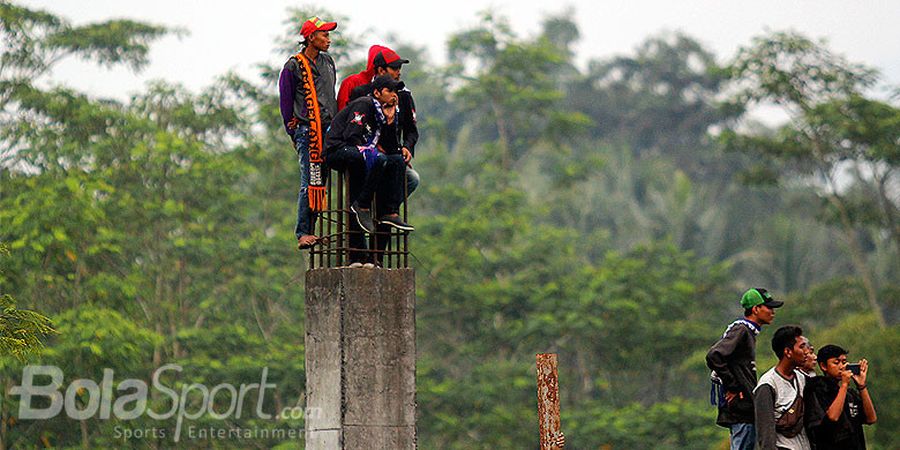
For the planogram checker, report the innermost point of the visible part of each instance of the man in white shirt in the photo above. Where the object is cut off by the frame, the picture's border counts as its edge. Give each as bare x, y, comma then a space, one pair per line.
778, 397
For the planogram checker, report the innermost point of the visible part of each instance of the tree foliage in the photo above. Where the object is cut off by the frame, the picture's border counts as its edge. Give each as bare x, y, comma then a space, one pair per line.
596, 213
840, 142
21, 330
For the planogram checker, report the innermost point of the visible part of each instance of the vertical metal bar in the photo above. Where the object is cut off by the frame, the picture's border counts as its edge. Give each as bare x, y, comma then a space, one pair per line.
317, 230
405, 247
389, 248
548, 400
340, 219
345, 216
323, 255
329, 216
372, 240
312, 251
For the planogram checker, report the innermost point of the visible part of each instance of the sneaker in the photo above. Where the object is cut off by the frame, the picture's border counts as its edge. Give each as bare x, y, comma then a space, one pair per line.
364, 218
397, 222
355, 265
368, 266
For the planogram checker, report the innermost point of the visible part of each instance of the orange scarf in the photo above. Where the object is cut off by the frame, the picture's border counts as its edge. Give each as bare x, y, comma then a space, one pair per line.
318, 198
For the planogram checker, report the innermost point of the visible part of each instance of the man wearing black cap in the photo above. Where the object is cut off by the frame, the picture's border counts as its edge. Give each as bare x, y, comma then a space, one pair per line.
733, 363
835, 412
363, 140
308, 104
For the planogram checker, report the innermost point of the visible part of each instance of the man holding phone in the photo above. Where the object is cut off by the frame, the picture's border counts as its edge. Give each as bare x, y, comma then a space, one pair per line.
836, 413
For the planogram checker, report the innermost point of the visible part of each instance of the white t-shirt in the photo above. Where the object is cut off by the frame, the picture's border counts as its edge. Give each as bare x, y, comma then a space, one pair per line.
786, 391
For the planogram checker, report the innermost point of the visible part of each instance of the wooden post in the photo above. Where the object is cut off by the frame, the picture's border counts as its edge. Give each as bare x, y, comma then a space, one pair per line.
548, 400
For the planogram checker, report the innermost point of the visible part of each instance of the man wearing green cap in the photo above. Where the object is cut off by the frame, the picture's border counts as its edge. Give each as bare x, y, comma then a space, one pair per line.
733, 363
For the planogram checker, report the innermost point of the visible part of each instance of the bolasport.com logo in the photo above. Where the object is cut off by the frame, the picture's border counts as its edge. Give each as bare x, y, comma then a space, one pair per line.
41, 398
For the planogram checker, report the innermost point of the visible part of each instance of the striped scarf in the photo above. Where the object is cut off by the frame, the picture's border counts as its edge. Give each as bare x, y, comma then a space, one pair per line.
318, 198
371, 148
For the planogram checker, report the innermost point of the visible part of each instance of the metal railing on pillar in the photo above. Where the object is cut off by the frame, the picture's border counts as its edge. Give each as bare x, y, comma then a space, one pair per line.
333, 226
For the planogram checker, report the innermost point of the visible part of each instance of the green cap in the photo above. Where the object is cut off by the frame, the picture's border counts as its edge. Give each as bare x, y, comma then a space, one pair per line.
758, 296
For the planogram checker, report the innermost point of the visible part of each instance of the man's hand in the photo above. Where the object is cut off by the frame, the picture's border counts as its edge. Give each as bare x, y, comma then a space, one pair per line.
846, 375
863, 372
392, 100
390, 112
729, 396
407, 155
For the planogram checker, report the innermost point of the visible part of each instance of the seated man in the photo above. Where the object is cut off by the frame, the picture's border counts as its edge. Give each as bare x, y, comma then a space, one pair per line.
357, 133
835, 412
384, 61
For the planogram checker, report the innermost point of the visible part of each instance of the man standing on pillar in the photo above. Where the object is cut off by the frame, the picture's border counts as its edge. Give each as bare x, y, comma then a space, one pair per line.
308, 104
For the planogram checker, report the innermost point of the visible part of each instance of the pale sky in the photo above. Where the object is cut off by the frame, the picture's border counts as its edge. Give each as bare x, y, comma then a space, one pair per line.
236, 35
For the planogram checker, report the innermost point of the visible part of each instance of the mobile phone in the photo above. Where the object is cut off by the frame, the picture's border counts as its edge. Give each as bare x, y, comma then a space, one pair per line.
853, 368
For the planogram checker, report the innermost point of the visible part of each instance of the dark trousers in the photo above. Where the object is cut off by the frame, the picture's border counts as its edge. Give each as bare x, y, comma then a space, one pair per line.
390, 197
385, 177
390, 186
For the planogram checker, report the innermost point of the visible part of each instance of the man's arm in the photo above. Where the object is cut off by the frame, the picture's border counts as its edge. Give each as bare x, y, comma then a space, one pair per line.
764, 411
359, 116
868, 407
861, 380
410, 129
718, 355
347, 86
344, 93
287, 86
813, 400
837, 406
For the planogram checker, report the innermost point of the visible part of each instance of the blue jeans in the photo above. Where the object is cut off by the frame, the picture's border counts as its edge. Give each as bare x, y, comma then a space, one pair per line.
743, 436
306, 218
412, 180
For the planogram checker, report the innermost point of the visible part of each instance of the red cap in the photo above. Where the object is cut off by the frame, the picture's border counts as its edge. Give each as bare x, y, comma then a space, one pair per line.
388, 57
314, 24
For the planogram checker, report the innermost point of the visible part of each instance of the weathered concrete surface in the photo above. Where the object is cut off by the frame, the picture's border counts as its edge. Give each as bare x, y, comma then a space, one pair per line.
360, 359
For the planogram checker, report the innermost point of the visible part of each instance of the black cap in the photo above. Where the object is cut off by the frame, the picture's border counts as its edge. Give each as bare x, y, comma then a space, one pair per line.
387, 81
388, 58
830, 351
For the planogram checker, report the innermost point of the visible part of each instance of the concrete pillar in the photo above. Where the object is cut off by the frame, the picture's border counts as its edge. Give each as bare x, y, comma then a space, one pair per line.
360, 359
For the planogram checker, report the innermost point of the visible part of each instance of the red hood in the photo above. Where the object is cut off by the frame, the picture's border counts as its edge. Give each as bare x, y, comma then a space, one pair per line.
370, 64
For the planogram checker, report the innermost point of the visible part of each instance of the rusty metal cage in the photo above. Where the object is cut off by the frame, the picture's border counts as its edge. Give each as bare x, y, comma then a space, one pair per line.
332, 225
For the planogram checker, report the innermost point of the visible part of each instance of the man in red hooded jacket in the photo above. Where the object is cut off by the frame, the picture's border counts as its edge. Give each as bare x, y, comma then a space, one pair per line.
359, 79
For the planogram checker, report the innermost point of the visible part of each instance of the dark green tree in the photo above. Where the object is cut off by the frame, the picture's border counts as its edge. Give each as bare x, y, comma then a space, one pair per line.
508, 84
839, 142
